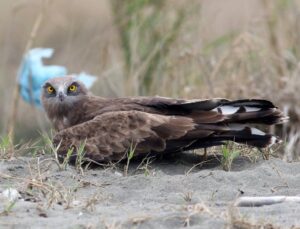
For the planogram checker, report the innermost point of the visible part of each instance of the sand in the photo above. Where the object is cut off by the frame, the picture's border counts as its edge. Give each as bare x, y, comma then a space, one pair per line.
166, 194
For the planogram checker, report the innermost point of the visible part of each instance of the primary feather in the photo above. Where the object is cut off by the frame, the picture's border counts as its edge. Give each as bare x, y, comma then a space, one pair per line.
110, 127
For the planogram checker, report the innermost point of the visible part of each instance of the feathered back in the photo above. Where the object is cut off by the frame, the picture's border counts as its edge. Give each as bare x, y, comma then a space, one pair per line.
161, 125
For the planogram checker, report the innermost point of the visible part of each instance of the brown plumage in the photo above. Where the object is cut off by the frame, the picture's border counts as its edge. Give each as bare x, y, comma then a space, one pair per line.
110, 127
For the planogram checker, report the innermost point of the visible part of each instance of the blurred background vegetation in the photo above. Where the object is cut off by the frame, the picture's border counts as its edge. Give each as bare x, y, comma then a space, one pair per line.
190, 49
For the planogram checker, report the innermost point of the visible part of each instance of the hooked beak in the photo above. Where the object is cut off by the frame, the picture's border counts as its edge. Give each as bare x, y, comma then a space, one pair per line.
61, 96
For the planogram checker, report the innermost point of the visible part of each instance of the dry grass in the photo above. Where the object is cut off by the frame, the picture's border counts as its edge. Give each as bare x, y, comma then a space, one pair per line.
40, 185
233, 218
238, 221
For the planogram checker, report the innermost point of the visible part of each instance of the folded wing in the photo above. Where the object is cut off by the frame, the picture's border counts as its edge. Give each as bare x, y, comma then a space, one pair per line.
109, 136
169, 127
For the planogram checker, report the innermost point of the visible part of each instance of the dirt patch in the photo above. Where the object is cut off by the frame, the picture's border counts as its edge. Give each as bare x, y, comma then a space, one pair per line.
164, 194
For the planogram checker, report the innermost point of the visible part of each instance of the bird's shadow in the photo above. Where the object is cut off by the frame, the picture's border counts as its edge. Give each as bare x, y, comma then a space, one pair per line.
179, 163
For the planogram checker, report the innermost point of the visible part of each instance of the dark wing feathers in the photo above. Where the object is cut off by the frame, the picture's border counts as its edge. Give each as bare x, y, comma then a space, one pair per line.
217, 110
182, 107
251, 103
266, 116
207, 116
168, 125
189, 106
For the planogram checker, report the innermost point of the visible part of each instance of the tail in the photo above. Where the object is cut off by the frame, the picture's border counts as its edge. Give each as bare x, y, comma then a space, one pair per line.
225, 120
251, 111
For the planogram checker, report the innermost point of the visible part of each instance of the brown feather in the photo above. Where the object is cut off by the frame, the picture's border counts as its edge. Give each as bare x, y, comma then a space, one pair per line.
115, 132
110, 127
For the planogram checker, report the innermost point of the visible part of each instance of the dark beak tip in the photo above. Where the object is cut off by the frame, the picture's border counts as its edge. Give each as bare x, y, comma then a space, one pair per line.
61, 97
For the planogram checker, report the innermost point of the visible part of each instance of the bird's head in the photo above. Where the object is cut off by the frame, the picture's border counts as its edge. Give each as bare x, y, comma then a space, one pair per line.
62, 92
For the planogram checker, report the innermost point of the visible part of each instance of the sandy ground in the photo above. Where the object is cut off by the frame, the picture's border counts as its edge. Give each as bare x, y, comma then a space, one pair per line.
166, 194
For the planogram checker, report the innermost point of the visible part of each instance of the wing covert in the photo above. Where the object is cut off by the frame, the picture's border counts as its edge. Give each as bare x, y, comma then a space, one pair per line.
109, 136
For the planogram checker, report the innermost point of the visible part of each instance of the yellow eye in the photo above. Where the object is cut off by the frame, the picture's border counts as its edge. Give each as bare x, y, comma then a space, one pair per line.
50, 90
73, 88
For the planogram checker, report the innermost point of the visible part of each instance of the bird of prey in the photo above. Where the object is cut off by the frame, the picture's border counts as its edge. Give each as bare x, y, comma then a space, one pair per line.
109, 127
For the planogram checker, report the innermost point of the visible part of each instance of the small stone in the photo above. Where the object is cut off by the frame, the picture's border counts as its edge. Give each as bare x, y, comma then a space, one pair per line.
118, 174
11, 194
